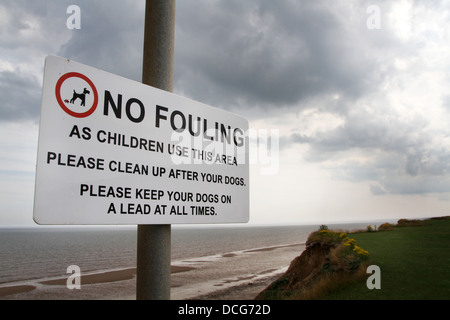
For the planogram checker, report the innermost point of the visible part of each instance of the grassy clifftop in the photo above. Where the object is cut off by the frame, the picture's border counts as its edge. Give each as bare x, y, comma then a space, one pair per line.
413, 258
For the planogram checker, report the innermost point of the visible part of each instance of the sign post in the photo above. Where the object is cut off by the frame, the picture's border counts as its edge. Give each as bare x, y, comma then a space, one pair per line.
154, 241
113, 151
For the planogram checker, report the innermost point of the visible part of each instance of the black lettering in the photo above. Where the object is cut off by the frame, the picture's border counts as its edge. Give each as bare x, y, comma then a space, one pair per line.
91, 163
205, 129
81, 163
117, 109
50, 156
83, 189
203, 211
86, 133
183, 121
70, 160
160, 209
112, 209
159, 116
103, 133
191, 126
238, 140
141, 112
75, 132
225, 133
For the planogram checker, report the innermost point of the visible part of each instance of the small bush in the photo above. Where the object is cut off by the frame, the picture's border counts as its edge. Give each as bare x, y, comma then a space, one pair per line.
386, 227
344, 255
324, 237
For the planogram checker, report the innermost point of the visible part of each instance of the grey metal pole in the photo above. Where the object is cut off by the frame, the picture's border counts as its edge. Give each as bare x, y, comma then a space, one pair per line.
153, 262
159, 35
154, 241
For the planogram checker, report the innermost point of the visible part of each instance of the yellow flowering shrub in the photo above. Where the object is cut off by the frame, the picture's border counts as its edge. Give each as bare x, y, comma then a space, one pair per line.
349, 242
360, 251
344, 254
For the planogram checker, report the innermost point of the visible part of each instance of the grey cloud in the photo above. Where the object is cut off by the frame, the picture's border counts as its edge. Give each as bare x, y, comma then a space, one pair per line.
390, 174
424, 170
273, 53
21, 96
301, 138
232, 54
110, 38
377, 190
365, 129
402, 156
256, 55
29, 28
419, 185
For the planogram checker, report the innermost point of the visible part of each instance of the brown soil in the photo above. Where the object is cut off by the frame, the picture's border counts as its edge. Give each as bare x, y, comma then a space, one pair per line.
302, 272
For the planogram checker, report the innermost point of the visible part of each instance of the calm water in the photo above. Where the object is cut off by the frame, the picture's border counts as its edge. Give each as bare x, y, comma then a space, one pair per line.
38, 252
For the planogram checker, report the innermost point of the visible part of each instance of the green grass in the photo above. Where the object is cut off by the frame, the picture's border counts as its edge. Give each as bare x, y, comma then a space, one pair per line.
414, 263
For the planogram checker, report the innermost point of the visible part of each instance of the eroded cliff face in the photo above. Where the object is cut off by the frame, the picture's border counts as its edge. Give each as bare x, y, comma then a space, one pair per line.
329, 258
302, 272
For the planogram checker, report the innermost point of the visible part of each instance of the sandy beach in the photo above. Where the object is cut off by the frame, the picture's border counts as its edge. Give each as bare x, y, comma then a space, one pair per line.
239, 275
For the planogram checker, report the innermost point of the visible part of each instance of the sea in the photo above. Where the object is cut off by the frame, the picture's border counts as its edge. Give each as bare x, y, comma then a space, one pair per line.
39, 253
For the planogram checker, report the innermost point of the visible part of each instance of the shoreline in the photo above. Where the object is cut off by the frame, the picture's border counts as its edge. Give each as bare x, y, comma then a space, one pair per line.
87, 279
236, 275
244, 291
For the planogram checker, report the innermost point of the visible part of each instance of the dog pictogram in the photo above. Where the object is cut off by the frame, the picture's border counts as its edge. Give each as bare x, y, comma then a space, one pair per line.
70, 85
81, 96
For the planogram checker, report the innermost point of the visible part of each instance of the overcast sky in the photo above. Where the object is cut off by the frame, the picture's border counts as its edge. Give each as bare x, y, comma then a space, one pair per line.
358, 91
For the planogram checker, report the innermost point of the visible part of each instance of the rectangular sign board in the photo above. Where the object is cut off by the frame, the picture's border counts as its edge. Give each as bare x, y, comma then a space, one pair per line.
116, 151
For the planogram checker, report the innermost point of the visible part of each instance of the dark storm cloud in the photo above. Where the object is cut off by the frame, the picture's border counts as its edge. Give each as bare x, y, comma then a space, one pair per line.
232, 54
273, 53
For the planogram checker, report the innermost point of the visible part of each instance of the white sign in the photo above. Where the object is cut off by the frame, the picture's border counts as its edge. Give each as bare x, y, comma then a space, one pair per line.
116, 151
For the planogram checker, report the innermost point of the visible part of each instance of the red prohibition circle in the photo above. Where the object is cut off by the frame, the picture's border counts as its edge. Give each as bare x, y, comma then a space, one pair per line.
61, 102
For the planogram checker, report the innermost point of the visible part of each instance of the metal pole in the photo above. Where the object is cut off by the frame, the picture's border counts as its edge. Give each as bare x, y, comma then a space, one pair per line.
154, 241
153, 262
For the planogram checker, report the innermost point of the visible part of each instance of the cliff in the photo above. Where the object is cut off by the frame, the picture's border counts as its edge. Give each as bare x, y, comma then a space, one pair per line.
329, 258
